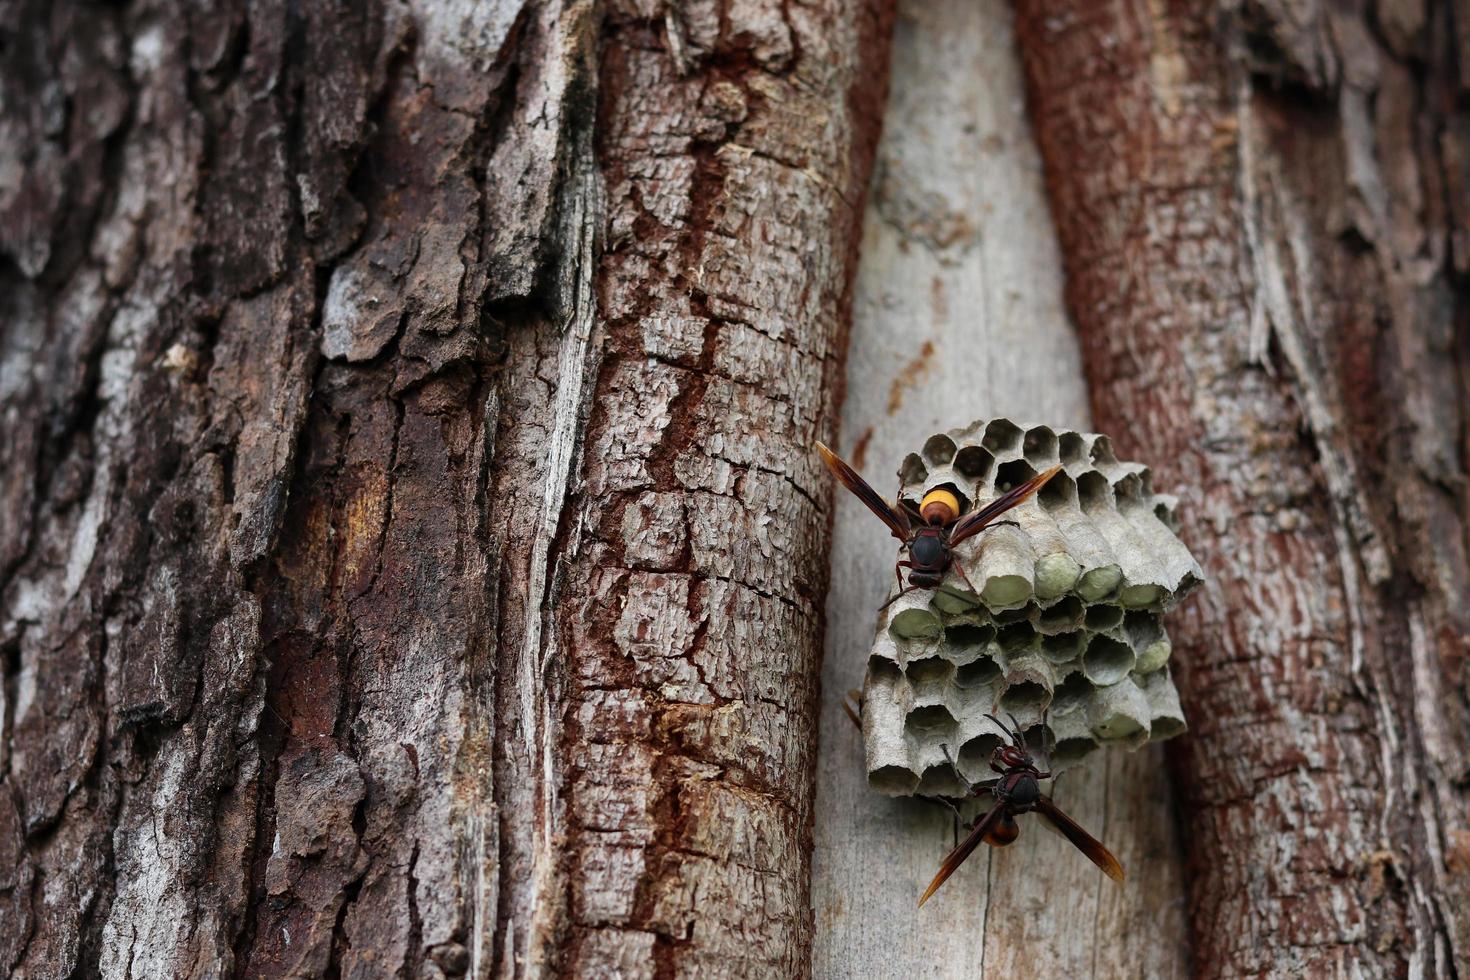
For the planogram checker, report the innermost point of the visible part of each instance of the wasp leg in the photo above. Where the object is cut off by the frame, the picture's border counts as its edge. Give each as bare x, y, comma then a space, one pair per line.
908, 506
853, 705
950, 804
969, 786
960, 571
969, 791
902, 589
944, 801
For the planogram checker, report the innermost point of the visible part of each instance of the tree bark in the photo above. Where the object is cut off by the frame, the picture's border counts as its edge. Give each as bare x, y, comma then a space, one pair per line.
411, 553
1263, 213
736, 151
959, 315
412, 560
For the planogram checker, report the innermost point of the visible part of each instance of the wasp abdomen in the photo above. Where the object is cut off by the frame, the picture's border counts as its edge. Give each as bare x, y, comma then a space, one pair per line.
1005, 832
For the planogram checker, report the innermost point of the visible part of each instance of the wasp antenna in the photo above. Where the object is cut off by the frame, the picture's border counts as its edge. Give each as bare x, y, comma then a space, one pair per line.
1047, 749
901, 593
1016, 729
1002, 726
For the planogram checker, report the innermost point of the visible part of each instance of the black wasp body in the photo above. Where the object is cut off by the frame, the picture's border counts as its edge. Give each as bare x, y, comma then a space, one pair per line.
929, 558
930, 530
1018, 791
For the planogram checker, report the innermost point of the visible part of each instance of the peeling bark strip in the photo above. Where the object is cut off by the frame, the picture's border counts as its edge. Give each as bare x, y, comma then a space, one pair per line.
1266, 251
323, 650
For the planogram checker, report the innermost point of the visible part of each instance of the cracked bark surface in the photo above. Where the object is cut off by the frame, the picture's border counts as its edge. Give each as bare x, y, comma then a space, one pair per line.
1266, 259
410, 556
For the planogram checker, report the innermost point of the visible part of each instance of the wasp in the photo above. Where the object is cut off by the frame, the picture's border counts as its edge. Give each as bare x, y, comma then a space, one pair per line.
1017, 790
930, 530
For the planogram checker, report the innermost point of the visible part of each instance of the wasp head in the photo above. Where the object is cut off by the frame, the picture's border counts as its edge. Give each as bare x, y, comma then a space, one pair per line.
1010, 757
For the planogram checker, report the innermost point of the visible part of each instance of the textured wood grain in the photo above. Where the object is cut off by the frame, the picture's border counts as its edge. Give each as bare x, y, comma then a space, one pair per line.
409, 565
1265, 258
959, 316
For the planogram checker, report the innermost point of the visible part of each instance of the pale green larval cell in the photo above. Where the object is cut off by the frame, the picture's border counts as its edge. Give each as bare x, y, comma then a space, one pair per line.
954, 601
1056, 574
1097, 584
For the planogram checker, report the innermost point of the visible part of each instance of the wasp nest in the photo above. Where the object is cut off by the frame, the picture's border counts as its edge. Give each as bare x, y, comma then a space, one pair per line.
1064, 633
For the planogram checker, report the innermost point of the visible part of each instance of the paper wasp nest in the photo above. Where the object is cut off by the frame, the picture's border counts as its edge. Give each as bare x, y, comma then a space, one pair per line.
1066, 622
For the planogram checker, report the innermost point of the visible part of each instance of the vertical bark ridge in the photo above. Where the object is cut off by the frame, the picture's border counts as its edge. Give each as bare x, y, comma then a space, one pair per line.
733, 142
1264, 249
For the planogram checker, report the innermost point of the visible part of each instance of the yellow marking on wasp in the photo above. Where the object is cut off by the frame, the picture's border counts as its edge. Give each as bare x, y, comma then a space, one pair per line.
942, 503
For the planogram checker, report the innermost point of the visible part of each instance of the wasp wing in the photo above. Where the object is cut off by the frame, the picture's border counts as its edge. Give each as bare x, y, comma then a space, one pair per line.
896, 520
956, 857
1085, 842
972, 524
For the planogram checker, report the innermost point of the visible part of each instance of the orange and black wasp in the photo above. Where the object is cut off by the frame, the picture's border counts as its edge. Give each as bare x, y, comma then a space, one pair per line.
930, 530
1017, 791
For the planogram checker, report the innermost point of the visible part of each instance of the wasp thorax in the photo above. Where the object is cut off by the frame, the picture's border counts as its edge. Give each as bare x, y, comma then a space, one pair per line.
939, 507
928, 551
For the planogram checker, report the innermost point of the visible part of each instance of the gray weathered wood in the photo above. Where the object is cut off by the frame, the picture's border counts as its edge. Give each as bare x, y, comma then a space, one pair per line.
958, 315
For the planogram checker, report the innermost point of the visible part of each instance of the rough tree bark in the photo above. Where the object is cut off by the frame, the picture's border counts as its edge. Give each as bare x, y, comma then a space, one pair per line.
1263, 209
410, 556
958, 314
412, 563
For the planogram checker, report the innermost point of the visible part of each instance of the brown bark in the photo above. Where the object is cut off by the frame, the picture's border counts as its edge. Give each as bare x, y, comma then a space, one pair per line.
1263, 215
736, 150
409, 558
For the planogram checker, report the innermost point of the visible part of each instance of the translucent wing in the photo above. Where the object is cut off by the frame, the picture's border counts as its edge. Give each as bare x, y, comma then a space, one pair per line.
972, 524
896, 520
955, 858
1085, 842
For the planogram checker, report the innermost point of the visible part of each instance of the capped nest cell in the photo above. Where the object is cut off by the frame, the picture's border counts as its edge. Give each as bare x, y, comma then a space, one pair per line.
1064, 633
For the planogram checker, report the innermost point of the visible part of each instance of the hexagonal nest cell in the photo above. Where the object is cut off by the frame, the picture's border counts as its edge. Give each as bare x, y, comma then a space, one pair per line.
1063, 630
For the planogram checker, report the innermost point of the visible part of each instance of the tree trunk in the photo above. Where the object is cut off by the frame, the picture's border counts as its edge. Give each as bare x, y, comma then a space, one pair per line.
412, 559
1263, 212
959, 315
411, 556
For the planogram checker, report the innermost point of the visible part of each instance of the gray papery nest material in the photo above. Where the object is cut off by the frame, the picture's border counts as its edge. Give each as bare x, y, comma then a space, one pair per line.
1066, 626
